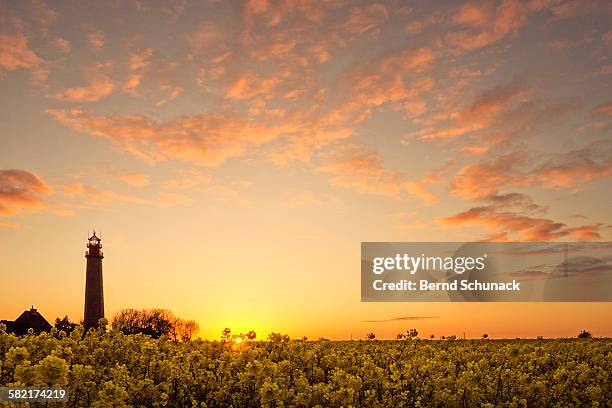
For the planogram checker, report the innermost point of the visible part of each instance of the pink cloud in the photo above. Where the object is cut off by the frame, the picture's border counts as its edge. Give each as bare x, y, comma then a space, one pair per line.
250, 85
476, 15
62, 44
139, 61
131, 178
513, 213
96, 39
488, 23
207, 139
481, 180
357, 168
367, 19
205, 36
574, 8
15, 53
89, 195
9, 224
605, 108
100, 86
20, 189
258, 6
481, 114
43, 14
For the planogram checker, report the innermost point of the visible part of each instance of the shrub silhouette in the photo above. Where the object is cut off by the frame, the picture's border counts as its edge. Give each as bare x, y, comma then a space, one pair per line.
154, 323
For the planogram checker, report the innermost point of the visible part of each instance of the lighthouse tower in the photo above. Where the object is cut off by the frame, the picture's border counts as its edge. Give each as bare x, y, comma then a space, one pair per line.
94, 293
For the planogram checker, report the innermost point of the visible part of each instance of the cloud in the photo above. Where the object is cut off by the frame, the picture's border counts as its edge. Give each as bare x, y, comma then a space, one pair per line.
89, 195
19, 190
131, 178
481, 180
139, 61
476, 15
271, 14
249, 85
277, 49
96, 39
15, 53
576, 166
356, 168
206, 139
605, 108
8, 224
480, 114
488, 24
516, 213
395, 78
360, 169
419, 189
206, 35
398, 319
62, 44
257, 6
100, 86
527, 228
366, 20
132, 82
575, 8
43, 13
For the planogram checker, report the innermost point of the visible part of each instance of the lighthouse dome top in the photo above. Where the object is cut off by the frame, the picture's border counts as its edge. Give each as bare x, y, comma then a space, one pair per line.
94, 241
94, 246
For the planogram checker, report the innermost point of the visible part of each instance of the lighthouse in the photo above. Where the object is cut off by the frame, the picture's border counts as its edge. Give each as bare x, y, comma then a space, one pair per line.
94, 293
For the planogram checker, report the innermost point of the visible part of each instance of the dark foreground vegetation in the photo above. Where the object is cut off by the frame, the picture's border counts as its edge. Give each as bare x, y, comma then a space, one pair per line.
111, 369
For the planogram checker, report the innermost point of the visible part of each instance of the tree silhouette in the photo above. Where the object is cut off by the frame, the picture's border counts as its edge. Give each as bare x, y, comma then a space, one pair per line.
64, 324
584, 335
154, 323
226, 334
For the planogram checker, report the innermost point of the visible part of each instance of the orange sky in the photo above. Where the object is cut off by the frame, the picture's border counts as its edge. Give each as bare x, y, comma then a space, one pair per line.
234, 155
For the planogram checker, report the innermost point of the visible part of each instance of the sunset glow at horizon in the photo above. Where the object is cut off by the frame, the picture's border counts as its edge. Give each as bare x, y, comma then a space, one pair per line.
234, 155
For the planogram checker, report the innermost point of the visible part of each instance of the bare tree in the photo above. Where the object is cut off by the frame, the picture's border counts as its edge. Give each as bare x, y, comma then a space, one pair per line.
154, 323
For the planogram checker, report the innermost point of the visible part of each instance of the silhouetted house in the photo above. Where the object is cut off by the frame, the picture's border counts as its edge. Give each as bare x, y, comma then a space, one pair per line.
30, 319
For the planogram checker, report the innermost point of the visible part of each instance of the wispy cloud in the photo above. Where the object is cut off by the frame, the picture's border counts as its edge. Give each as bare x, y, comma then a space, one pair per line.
16, 54
100, 86
518, 214
90, 195
207, 139
9, 224
134, 179
96, 39
21, 189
